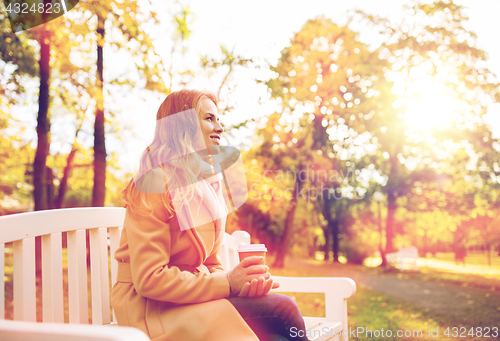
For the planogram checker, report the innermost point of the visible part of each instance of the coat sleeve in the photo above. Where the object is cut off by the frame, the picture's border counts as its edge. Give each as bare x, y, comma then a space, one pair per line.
149, 242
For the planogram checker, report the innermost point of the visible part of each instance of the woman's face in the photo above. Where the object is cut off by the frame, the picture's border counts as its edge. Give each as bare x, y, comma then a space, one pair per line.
211, 129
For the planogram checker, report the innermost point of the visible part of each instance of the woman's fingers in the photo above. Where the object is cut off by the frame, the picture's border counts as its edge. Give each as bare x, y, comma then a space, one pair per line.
258, 287
265, 275
261, 287
254, 276
252, 260
248, 269
254, 265
253, 287
256, 269
267, 287
244, 290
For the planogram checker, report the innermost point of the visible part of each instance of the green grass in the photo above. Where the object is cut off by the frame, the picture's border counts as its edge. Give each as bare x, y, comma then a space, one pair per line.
473, 258
465, 280
369, 310
442, 269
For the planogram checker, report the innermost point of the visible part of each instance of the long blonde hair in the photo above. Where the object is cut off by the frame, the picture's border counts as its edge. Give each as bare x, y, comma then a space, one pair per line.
172, 149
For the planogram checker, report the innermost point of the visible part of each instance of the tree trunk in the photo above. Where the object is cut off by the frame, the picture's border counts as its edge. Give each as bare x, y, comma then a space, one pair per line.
488, 251
333, 223
459, 244
50, 189
40, 196
99, 190
335, 234
326, 232
381, 232
63, 186
392, 194
389, 231
282, 247
43, 127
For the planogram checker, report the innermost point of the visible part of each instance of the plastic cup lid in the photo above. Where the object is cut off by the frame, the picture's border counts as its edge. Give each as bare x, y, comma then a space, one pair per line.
252, 248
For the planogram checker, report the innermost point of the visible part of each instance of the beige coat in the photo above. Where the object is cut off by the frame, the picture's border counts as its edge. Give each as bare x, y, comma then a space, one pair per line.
171, 283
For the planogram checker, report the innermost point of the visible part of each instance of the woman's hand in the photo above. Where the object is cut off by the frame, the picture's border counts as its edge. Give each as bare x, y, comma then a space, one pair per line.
258, 287
252, 275
248, 269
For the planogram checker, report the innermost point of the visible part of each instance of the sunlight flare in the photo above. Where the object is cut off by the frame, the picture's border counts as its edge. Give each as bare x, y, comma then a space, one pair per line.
429, 106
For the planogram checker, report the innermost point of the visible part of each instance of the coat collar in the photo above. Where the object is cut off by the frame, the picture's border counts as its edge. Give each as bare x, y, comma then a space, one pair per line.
203, 217
207, 208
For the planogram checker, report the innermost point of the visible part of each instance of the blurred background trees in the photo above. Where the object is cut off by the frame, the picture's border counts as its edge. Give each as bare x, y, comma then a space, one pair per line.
75, 94
404, 119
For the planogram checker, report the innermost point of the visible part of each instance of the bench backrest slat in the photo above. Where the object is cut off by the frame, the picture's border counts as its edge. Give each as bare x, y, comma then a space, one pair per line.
77, 277
229, 257
224, 255
52, 278
99, 276
114, 243
24, 280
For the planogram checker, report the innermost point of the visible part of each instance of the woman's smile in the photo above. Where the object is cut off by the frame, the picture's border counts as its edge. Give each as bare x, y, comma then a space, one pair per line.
215, 139
211, 129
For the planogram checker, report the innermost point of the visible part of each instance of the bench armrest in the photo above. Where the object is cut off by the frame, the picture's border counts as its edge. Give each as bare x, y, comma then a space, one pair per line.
337, 286
32, 331
336, 289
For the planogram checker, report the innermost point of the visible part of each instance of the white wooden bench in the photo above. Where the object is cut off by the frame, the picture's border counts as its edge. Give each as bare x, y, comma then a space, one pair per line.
407, 254
104, 226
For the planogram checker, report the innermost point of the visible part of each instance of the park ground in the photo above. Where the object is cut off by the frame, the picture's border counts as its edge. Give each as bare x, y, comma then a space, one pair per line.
453, 302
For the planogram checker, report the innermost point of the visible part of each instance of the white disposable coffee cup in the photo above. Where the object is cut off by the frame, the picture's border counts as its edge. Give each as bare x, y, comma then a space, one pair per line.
252, 250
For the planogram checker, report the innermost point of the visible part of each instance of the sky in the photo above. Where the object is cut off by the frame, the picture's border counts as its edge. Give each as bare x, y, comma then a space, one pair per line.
261, 29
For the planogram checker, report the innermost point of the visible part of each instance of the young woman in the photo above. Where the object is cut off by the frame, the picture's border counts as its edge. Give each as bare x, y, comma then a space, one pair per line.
170, 282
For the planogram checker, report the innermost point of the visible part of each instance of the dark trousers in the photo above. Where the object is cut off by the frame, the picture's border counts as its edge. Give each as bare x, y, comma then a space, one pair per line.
273, 317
